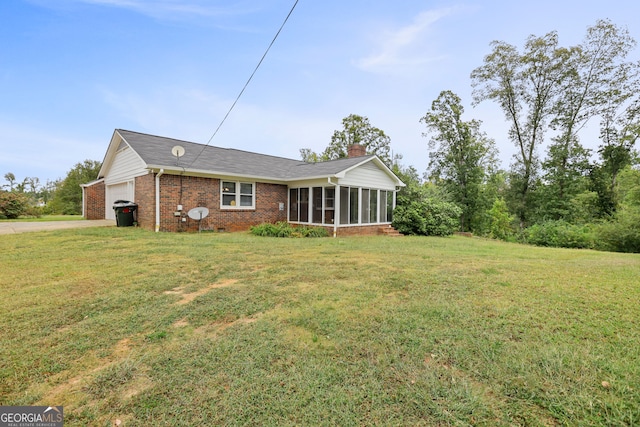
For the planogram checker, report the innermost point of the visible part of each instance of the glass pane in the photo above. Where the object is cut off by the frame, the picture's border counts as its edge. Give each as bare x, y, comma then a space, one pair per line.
373, 202
329, 197
228, 200
383, 206
317, 205
365, 206
390, 207
353, 206
246, 188
228, 187
304, 205
344, 205
246, 200
293, 205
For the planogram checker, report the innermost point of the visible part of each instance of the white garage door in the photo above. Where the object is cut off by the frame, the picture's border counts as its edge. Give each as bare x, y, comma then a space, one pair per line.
123, 191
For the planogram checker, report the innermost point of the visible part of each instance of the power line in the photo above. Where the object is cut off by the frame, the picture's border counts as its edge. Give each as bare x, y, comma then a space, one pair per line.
247, 83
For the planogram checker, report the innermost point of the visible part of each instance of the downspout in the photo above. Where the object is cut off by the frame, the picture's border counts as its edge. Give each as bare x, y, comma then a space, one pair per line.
336, 207
158, 175
84, 215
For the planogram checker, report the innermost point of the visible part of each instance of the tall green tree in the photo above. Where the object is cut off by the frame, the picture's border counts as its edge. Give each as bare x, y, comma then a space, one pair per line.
462, 156
68, 196
565, 174
597, 78
525, 86
547, 86
619, 131
355, 130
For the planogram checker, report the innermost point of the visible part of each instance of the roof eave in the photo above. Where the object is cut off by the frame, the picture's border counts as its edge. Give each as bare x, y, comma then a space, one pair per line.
173, 169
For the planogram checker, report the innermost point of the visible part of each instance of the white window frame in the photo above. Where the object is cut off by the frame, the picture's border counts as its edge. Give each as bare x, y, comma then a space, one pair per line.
238, 194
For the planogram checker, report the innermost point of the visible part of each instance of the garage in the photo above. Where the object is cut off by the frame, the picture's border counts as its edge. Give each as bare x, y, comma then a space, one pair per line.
121, 191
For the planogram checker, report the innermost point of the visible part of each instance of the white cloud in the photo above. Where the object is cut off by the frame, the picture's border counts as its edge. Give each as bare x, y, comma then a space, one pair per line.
168, 9
405, 46
161, 7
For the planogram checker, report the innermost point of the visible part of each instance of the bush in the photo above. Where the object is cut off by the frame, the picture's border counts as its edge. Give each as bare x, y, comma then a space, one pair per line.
13, 204
500, 221
428, 217
621, 234
560, 234
284, 229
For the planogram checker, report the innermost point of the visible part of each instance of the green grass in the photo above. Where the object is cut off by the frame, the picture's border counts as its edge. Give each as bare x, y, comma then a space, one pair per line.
44, 218
233, 329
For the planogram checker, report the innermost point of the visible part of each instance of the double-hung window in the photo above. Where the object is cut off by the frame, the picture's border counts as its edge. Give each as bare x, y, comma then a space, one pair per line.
237, 195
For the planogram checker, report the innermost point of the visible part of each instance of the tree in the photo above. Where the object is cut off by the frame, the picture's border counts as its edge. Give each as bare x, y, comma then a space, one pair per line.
525, 86
309, 156
597, 81
565, 174
11, 179
622, 234
500, 220
551, 87
13, 204
356, 130
461, 155
68, 196
619, 132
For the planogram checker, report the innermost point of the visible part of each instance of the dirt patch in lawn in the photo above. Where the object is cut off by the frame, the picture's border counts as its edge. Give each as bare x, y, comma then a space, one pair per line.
188, 297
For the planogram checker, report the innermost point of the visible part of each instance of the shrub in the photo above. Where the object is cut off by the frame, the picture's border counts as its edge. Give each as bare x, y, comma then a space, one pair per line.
500, 221
312, 231
622, 234
428, 217
284, 229
13, 204
560, 234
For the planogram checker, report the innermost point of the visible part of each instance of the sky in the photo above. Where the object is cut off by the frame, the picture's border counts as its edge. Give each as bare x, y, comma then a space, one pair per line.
73, 71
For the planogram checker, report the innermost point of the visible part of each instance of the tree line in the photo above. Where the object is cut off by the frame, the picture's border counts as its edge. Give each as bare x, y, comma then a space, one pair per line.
31, 198
572, 196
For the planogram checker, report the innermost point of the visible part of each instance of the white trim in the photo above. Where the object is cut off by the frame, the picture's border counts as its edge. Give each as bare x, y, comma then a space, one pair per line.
158, 175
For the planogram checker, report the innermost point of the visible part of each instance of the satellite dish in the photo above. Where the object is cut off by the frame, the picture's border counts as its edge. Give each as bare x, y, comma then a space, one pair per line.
178, 151
198, 214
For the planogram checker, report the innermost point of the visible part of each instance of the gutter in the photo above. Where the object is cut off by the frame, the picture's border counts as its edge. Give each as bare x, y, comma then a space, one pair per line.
158, 175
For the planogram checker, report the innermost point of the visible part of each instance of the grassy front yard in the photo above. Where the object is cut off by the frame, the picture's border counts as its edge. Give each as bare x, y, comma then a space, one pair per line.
232, 329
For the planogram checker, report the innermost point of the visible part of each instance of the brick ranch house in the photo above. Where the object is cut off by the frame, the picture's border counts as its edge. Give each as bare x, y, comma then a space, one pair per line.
355, 195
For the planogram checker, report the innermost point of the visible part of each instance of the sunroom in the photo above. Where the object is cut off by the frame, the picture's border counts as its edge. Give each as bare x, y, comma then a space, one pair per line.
340, 205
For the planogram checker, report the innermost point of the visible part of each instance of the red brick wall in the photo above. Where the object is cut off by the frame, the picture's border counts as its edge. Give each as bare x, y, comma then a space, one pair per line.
145, 197
94, 200
361, 230
192, 192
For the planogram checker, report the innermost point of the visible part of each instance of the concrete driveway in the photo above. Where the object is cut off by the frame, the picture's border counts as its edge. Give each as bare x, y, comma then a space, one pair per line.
24, 227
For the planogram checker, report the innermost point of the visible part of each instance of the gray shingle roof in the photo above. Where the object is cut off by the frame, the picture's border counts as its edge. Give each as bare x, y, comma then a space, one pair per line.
156, 151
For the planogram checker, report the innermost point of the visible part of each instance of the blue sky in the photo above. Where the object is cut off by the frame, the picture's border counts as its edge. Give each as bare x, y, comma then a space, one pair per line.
72, 71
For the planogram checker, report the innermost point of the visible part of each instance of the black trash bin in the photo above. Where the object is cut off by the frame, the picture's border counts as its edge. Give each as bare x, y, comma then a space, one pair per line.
125, 212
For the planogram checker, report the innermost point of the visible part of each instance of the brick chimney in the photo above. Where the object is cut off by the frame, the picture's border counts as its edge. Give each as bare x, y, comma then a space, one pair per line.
356, 150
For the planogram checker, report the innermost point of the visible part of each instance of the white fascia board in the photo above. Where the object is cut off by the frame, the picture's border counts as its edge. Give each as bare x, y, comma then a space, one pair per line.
173, 170
89, 184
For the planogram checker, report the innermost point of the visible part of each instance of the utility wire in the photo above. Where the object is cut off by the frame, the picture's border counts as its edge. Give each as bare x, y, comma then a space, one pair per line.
247, 83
